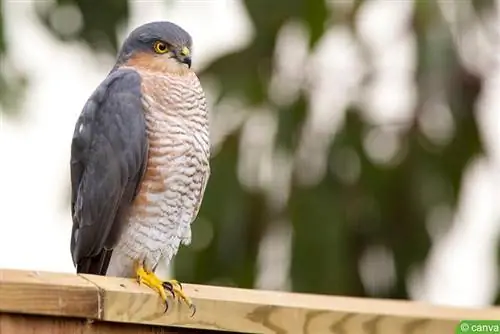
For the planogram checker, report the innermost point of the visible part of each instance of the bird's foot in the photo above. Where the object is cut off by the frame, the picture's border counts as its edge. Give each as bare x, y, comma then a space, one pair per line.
174, 287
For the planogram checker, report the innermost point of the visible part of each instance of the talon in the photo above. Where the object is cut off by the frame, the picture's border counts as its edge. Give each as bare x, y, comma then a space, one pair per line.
166, 307
173, 286
176, 288
176, 282
193, 308
168, 286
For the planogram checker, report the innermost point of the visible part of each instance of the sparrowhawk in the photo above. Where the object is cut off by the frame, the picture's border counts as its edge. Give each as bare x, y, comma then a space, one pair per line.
140, 160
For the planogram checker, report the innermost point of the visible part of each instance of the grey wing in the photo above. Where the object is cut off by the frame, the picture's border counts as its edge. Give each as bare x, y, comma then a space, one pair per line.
108, 155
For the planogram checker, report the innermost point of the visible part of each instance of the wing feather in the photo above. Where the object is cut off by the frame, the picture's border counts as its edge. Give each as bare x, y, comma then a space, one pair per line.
108, 157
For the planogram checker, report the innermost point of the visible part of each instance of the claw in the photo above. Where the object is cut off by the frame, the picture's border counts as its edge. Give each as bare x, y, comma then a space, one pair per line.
176, 289
172, 286
168, 286
193, 308
166, 307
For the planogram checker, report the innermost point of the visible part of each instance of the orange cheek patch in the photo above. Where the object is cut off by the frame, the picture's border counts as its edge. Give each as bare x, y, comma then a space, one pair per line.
157, 63
146, 61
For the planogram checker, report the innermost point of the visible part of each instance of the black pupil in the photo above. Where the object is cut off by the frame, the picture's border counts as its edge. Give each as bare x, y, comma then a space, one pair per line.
161, 47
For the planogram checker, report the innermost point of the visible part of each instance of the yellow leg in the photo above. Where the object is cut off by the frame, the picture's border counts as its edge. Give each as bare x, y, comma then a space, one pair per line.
173, 286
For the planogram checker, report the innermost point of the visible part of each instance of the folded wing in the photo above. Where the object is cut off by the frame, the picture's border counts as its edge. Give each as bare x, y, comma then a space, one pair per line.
108, 156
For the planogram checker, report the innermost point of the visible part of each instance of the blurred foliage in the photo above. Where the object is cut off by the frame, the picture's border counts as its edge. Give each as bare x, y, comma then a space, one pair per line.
334, 223
100, 21
2, 36
12, 81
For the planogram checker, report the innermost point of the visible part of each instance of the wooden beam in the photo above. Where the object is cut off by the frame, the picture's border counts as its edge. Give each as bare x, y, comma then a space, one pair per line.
48, 294
121, 300
36, 324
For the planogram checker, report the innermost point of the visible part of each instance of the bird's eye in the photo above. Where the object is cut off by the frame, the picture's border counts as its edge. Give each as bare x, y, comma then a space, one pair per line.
160, 47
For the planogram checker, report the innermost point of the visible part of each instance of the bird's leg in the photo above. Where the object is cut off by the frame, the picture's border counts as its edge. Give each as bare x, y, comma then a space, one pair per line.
149, 279
175, 289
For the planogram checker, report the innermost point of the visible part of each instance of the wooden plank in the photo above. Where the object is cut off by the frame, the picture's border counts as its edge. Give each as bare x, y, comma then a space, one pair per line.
47, 294
253, 311
34, 324
121, 300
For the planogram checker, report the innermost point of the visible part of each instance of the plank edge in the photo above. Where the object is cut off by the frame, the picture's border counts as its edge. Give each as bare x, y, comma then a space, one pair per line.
127, 291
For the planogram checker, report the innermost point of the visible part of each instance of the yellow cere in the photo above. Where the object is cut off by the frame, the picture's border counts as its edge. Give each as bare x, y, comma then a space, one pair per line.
185, 51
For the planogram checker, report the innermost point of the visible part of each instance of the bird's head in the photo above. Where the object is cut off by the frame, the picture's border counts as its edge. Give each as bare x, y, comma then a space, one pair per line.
158, 46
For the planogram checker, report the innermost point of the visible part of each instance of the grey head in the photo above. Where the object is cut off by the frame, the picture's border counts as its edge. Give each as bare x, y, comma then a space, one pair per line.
158, 38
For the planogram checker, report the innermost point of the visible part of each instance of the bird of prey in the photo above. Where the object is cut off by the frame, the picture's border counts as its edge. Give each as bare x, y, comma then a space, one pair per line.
140, 160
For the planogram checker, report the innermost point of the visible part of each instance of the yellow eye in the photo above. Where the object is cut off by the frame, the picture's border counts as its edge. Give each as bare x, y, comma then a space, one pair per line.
160, 47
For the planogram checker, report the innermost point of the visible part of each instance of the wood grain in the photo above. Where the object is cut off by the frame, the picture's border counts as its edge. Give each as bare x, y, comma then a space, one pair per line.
47, 294
229, 309
253, 311
34, 324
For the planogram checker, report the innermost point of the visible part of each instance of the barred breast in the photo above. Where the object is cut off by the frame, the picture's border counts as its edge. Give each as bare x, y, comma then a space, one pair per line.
176, 173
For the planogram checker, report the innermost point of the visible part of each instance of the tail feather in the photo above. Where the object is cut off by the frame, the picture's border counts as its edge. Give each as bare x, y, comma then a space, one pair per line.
95, 265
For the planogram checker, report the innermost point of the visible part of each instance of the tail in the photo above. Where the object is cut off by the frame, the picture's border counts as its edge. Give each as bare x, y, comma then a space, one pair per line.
95, 265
